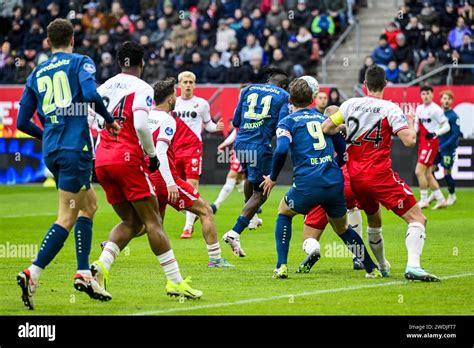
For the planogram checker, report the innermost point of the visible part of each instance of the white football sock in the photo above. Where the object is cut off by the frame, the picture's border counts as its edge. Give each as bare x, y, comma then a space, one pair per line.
214, 251
190, 218
86, 273
109, 254
311, 245
438, 195
226, 190
423, 195
354, 218
374, 235
35, 272
414, 241
170, 266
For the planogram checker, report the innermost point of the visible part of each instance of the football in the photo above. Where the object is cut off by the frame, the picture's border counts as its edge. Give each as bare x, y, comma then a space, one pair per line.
313, 84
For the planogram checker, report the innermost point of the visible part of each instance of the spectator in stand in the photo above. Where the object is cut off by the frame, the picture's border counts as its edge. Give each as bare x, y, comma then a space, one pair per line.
119, 16
434, 38
161, 34
5, 53
271, 45
23, 70
104, 45
302, 16
197, 66
368, 62
337, 10
96, 30
256, 73
87, 48
225, 36
183, 33
214, 72
119, 35
448, 17
296, 53
274, 17
280, 62
207, 31
16, 36
43, 54
141, 30
402, 18
237, 72
406, 73
428, 14
225, 56
266, 5
467, 51
152, 69
445, 54
7, 71
35, 36
106, 69
456, 35
403, 52
205, 50
334, 97
391, 32
92, 12
286, 31
391, 72
414, 33
251, 49
323, 28
431, 63
167, 55
170, 15
53, 12
305, 39
245, 30
258, 23
383, 53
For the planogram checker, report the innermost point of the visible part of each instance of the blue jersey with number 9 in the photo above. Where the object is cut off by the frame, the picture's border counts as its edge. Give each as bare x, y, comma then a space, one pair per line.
61, 106
312, 151
260, 108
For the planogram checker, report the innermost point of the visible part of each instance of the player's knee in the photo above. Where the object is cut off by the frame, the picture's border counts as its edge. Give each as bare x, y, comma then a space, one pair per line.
67, 222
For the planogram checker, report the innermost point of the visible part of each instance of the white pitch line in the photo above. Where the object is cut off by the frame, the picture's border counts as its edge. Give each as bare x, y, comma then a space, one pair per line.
271, 298
12, 216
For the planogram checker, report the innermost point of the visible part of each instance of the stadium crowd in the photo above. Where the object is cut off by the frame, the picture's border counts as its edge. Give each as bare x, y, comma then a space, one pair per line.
221, 41
425, 35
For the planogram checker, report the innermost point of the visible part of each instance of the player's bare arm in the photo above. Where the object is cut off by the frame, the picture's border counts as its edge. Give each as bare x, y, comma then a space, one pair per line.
408, 136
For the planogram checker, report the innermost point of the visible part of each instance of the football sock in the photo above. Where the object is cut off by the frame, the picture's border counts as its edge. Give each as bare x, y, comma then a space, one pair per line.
414, 241
83, 237
374, 235
214, 251
53, 242
438, 195
190, 219
282, 237
109, 254
354, 218
311, 245
35, 272
241, 224
226, 190
356, 245
170, 266
450, 182
423, 195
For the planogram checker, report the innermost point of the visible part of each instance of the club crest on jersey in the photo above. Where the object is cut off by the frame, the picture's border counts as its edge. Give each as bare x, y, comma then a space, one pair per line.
90, 68
148, 101
169, 130
194, 162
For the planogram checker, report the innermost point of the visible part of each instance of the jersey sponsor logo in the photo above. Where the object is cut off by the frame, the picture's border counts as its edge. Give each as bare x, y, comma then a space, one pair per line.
169, 130
186, 114
148, 101
90, 68
52, 66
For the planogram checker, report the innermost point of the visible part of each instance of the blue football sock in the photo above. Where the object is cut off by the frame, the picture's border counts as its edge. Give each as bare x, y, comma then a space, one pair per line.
50, 246
83, 237
283, 237
355, 244
241, 224
450, 182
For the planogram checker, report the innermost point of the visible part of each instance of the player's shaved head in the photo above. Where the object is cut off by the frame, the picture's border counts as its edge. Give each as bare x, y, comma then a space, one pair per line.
60, 32
375, 78
277, 77
331, 110
130, 55
301, 94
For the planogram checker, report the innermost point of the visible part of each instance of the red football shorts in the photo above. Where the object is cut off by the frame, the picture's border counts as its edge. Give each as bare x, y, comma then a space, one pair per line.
189, 167
187, 195
125, 183
235, 164
427, 151
387, 189
317, 217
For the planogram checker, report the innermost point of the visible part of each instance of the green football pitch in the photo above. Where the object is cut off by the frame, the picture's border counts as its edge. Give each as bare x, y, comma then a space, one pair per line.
137, 282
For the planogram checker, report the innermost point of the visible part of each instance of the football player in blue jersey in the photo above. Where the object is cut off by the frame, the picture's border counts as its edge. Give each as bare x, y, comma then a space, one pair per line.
61, 90
448, 143
260, 108
317, 179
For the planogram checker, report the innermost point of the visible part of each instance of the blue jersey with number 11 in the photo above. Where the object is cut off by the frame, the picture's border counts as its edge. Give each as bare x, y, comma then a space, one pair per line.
312, 151
260, 108
56, 87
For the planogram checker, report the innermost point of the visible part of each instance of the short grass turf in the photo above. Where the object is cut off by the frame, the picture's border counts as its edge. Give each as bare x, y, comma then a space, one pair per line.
331, 288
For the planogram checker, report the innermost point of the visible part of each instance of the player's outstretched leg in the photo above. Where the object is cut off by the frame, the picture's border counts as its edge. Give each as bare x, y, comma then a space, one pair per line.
311, 247
354, 243
414, 241
232, 237
225, 191
191, 218
147, 210
434, 186
420, 172
204, 212
451, 186
354, 218
376, 242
